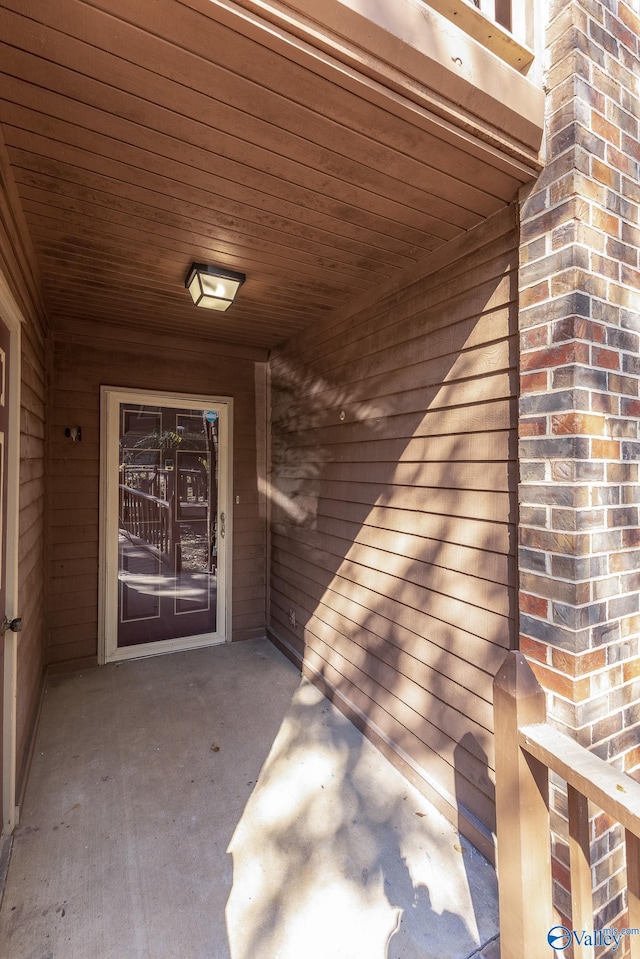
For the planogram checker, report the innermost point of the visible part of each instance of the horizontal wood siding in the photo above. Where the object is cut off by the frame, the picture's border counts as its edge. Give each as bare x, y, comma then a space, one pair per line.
394, 511
17, 267
82, 362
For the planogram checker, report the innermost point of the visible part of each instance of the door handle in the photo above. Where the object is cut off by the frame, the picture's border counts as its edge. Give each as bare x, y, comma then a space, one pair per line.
223, 522
15, 625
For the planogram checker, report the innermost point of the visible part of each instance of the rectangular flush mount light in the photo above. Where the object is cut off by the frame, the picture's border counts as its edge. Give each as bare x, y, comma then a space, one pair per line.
213, 287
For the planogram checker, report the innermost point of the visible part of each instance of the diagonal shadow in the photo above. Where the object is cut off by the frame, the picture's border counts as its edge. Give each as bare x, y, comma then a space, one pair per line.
394, 517
394, 526
337, 855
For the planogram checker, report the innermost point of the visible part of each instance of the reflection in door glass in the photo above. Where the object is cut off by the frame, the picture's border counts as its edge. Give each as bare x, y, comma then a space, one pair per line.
168, 482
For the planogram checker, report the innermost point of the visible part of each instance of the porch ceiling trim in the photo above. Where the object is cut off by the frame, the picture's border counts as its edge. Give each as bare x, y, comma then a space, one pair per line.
411, 57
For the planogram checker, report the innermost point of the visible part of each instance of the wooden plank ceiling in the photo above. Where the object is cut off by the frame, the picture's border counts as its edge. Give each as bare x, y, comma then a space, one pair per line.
145, 135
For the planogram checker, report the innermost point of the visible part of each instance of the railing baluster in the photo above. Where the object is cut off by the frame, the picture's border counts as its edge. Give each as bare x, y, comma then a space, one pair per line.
522, 814
633, 889
522, 20
580, 862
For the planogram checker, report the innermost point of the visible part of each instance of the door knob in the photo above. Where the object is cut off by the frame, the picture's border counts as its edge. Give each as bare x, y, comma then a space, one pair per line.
15, 625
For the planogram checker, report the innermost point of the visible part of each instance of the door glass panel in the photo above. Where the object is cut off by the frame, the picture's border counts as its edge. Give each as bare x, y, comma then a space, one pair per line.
167, 527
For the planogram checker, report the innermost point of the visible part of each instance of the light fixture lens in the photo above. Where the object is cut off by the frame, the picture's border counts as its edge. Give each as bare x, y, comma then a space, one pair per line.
212, 287
213, 303
195, 289
219, 287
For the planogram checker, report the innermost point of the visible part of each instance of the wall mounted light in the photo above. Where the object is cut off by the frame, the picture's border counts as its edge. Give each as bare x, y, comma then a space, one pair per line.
213, 287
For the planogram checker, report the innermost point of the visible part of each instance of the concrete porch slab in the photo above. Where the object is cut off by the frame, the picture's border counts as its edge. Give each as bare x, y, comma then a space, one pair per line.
213, 805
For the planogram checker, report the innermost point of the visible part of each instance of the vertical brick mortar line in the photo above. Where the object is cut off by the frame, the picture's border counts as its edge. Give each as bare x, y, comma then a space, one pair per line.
579, 407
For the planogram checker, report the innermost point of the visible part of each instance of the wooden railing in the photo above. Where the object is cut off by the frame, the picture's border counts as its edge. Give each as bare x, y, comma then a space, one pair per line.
146, 517
527, 749
504, 26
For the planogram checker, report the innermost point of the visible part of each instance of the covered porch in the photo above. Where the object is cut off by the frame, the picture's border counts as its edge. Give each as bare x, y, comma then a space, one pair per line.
431, 381
361, 166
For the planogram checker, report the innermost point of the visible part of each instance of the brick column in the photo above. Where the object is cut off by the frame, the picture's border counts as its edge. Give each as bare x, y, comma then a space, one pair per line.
580, 406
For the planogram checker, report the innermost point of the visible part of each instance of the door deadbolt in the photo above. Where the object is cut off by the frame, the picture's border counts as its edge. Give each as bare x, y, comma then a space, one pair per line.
15, 625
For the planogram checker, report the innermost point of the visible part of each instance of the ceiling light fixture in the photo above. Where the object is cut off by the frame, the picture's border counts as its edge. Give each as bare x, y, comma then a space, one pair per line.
213, 287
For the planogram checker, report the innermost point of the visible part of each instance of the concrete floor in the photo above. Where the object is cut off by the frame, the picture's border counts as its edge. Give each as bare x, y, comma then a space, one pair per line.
211, 805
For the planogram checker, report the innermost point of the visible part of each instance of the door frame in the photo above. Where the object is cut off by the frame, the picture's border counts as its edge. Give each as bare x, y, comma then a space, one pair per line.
13, 318
110, 399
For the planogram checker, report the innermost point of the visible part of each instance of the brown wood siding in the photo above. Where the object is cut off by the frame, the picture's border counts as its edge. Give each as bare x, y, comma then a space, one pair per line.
84, 358
17, 267
394, 511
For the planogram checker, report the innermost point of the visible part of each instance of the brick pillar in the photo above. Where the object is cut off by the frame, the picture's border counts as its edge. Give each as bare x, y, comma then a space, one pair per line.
580, 406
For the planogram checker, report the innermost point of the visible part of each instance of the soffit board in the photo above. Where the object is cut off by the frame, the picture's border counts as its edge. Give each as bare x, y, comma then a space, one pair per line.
144, 136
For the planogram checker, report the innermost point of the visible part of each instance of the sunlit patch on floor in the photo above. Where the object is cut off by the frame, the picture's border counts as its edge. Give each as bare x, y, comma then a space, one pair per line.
337, 855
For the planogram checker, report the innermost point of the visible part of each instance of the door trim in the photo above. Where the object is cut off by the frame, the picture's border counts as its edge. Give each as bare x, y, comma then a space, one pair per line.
110, 399
13, 318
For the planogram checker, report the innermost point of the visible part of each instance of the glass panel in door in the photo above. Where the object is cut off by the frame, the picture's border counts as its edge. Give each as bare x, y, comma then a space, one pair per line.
167, 523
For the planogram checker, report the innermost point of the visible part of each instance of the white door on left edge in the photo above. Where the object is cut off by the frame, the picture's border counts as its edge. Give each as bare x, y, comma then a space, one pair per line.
166, 531
5, 339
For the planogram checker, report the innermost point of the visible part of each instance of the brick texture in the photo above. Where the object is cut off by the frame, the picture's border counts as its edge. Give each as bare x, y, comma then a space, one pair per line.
580, 405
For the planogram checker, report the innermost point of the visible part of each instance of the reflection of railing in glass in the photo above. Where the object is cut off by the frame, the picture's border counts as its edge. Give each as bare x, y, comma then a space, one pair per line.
146, 517
193, 486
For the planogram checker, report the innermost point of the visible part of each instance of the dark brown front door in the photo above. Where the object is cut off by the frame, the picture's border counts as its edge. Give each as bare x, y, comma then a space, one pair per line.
166, 531
167, 523
4, 432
